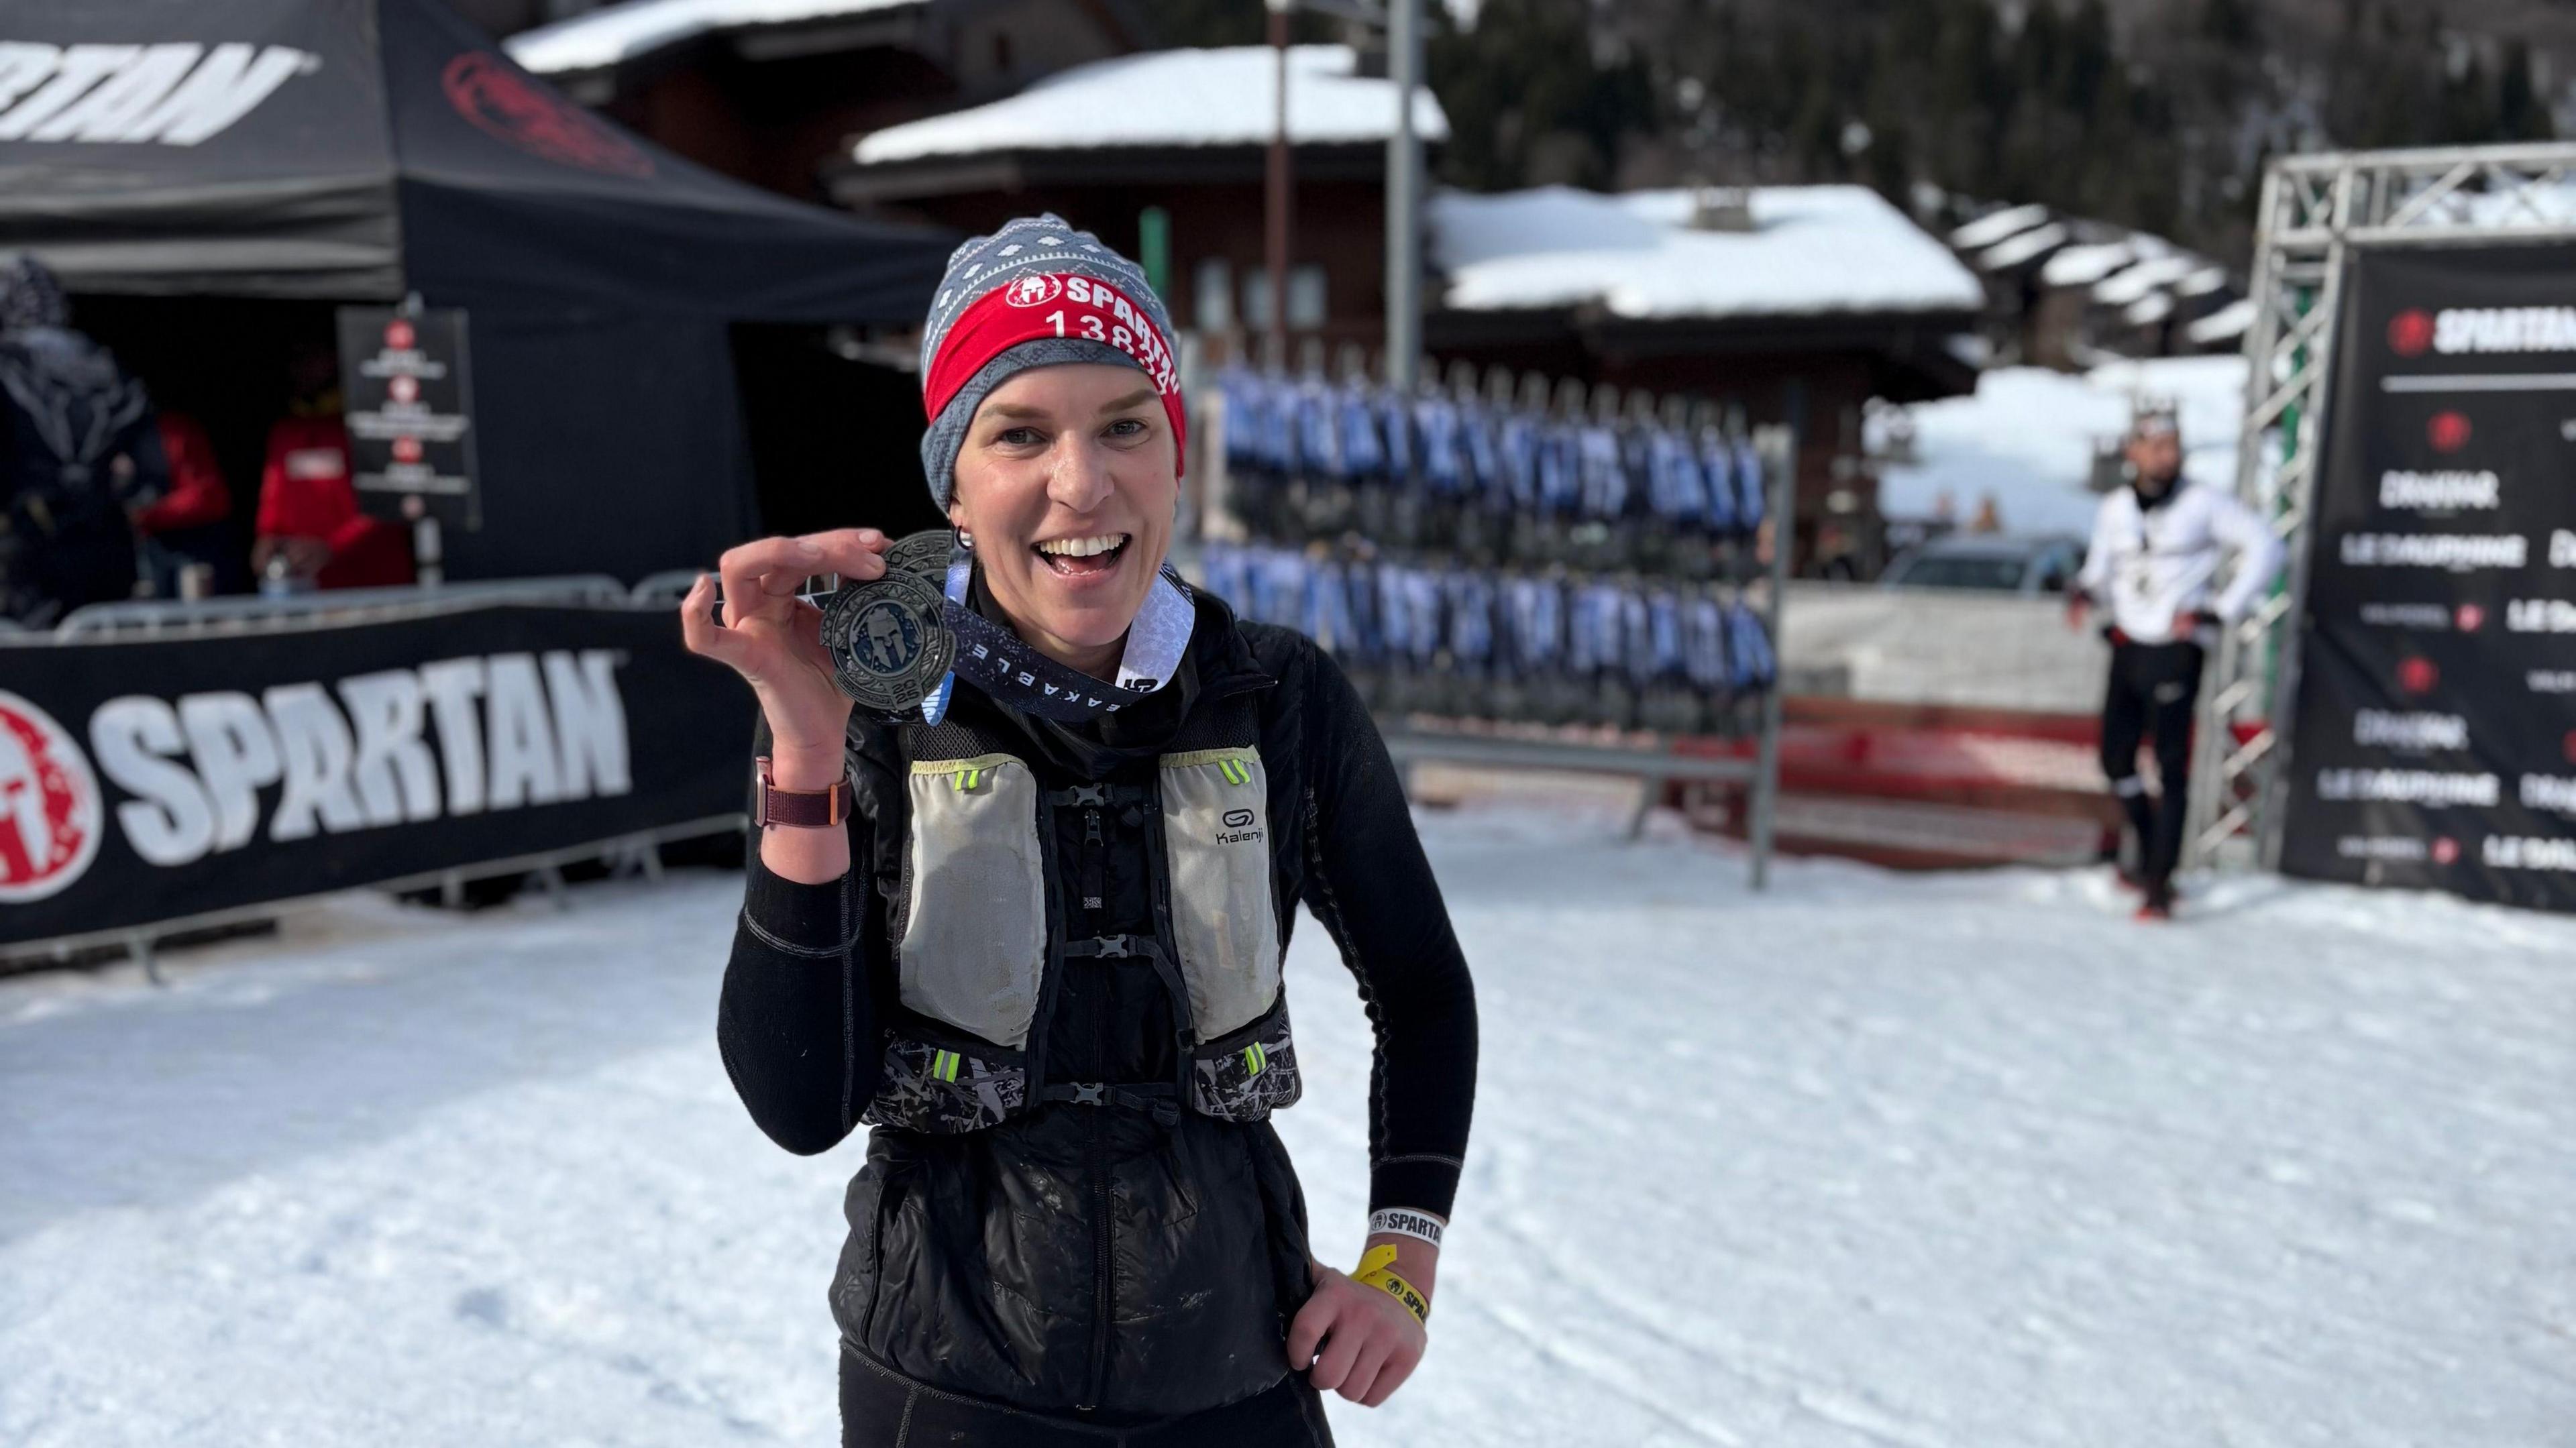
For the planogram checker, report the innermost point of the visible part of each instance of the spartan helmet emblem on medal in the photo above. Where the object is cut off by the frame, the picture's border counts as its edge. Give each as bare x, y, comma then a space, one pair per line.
888, 638
888, 644
1033, 291
50, 813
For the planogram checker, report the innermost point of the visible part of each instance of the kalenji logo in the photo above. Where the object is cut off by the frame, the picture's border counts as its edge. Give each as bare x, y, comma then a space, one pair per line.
173, 95
2448, 431
49, 804
1033, 291
2410, 332
486, 90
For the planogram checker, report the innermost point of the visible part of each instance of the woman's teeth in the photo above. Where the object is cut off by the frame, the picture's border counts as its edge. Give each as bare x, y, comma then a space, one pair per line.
1082, 547
1083, 555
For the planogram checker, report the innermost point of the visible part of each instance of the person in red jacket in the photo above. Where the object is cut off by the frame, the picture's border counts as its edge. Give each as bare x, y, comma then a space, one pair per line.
188, 525
308, 506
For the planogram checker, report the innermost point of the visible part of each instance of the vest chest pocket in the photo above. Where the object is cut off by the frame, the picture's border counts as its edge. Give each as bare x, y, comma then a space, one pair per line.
973, 951
1216, 835
928, 1087
1249, 1074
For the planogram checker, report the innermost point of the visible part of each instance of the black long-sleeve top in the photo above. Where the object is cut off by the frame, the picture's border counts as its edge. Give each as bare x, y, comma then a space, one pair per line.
811, 964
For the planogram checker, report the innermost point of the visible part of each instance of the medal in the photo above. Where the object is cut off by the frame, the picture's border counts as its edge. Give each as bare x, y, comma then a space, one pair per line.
925, 553
889, 642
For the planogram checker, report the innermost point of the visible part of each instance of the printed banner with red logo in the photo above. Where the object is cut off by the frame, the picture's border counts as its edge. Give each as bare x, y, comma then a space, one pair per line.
165, 779
2435, 735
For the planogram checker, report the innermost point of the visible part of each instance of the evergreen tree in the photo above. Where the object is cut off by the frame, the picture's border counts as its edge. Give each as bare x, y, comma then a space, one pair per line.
2520, 114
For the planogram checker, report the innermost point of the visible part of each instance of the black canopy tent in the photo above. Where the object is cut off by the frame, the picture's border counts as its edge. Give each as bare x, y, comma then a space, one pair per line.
363, 150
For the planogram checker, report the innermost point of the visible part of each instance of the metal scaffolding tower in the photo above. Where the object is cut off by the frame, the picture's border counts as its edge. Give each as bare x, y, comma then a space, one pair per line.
2315, 211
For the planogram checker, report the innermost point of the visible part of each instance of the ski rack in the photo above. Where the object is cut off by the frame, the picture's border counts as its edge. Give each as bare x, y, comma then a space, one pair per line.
2317, 210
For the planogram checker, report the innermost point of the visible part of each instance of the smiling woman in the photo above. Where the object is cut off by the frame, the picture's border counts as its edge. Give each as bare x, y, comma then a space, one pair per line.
1041, 958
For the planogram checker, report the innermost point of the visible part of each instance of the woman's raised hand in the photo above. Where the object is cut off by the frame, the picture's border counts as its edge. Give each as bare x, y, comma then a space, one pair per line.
774, 639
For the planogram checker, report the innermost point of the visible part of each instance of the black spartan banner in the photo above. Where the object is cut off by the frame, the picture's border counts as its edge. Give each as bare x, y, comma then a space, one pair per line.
160, 779
2435, 736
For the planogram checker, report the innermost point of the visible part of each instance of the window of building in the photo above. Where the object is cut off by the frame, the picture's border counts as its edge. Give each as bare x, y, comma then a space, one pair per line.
1212, 296
1256, 299
1305, 298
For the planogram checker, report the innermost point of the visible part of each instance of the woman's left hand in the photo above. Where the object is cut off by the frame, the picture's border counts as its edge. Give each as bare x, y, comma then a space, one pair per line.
1369, 1343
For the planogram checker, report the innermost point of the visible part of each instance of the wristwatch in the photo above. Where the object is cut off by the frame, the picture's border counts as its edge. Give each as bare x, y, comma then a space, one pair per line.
806, 809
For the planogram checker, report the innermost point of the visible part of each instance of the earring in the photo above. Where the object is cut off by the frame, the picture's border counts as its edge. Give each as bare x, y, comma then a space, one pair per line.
965, 540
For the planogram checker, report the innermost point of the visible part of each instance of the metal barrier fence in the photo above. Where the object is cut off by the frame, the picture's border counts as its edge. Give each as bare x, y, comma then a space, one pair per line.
666, 588
155, 617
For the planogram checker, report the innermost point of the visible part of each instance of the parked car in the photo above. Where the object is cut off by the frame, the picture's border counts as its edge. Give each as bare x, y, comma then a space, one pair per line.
1990, 563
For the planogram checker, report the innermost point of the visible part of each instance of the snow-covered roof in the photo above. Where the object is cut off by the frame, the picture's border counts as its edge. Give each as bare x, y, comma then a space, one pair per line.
1811, 249
615, 33
2202, 282
2226, 324
2014, 251
1223, 97
1994, 226
2134, 283
2082, 266
2148, 310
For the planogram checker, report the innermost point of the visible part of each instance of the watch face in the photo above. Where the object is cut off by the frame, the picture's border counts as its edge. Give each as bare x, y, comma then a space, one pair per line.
888, 642
925, 553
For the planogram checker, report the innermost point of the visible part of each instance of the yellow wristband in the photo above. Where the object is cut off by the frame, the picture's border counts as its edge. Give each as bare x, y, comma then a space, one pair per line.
1377, 1269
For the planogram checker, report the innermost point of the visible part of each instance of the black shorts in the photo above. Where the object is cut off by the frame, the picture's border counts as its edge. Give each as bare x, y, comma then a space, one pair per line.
881, 1408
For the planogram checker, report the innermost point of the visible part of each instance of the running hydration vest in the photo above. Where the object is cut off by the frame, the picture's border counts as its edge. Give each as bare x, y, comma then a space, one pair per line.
981, 935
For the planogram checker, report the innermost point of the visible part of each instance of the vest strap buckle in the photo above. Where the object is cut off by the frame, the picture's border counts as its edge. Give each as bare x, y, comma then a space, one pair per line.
1115, 947
1157, 1100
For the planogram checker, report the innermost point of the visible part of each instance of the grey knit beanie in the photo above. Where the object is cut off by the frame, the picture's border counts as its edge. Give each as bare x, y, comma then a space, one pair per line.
1032, 246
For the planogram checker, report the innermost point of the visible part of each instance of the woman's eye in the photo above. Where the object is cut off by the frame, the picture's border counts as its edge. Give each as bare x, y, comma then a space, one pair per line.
1127, 427
1018, 437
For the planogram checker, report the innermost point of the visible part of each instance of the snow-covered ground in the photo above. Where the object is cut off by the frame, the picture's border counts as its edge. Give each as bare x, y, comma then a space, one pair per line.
1942, 1162
2027, 434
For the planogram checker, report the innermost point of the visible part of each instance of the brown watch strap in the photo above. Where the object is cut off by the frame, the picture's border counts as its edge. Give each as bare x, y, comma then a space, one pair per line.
808, 809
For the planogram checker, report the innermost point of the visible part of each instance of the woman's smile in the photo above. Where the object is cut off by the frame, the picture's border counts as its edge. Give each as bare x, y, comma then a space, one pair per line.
1083, 560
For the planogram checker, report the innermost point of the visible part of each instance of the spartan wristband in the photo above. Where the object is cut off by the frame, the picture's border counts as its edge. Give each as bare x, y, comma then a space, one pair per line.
1405, 1222
1377, 1269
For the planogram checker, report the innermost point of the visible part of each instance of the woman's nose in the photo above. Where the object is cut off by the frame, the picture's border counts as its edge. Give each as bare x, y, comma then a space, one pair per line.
1080, 478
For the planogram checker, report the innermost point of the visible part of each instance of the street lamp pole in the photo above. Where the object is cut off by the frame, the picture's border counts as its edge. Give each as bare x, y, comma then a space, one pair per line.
1276, 344
1404, 199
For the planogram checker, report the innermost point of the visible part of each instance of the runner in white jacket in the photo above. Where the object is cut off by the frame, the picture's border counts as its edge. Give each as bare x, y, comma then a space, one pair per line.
2158, 547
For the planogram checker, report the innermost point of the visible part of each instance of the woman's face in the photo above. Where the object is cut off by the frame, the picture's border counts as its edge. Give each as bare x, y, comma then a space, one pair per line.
1067, 481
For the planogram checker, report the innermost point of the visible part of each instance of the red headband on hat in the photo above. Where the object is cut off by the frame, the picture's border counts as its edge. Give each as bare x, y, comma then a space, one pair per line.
1055, 304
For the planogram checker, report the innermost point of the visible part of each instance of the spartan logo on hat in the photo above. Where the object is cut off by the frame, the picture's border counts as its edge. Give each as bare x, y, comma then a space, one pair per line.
49, 804
1033, 291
